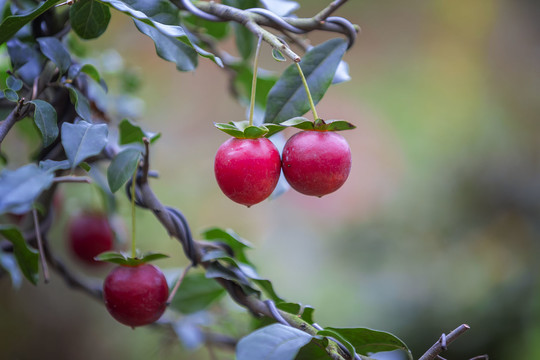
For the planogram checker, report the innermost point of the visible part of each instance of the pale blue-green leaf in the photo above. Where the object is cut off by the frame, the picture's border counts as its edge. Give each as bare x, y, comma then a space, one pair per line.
55, 51
13, 83
83, 140
45, 119
82, 106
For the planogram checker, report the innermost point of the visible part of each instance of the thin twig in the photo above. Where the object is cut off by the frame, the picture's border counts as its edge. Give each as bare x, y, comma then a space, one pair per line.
40, 247
327, 11
72, 179
178, 282
438, 347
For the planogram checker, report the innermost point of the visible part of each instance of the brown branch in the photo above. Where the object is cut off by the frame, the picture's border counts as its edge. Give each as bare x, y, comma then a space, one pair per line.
327, 11
18, 113
443, 342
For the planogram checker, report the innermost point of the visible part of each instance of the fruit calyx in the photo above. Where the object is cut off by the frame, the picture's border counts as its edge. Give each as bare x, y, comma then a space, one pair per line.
123, 259
318, 125
242, 129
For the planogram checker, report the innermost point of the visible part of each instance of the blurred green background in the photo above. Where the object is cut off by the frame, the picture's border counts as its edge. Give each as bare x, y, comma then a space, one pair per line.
437, 225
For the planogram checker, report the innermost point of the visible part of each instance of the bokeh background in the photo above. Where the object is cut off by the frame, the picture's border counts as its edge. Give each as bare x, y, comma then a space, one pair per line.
437, 225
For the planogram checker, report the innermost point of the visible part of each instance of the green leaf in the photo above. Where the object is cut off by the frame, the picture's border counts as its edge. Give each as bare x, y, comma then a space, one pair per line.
122, 168
277, 55
313, 351
85, 166
55, 51
131, 133
169, 48
319, 124
217, 270
245, 41
337, 336
232, 239
162, 11
20, 188
217, 30
170, 31
123, 259
243, 82
267, 287
82, 106
27, 258
368, 341
45, 119
276, 342
11, 95
93, 73
242, 129
288, 97
299, 122
14, 23
89, 18
13, 83
82, 140
196, 292
338, 125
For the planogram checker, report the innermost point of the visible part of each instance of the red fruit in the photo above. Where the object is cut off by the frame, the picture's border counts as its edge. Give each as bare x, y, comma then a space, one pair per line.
136, 296
316, 162
89, 236
247, 170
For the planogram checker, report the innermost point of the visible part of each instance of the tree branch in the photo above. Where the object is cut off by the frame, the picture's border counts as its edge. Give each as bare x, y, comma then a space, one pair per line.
443, 342
18, 113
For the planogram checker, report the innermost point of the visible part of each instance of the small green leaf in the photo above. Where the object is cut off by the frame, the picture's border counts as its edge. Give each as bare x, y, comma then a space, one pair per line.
13, 83
93, 73
276, 342
11, 95
288, 97
196, 292
83, 140
20, 188
368, 341
232, 239
130, 133
277, 55
339, 125
267, 287
314, 350
255, 132
122, 168
299, 123
45, 119
82, 106
89, 18
14, 23
27, 258
230, 130
55, 51
85, 166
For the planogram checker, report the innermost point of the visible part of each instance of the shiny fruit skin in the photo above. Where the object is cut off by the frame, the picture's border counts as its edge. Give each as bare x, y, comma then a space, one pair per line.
136, 295
89, 235
316, 162
247, 170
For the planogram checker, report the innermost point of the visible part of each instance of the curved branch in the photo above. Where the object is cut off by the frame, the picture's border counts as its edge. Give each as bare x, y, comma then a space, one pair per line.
445, 340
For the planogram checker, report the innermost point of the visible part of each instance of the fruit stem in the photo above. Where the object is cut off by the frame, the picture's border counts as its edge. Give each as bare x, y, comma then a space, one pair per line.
41, 248
178, 282
311, 103
254, 81
133, 242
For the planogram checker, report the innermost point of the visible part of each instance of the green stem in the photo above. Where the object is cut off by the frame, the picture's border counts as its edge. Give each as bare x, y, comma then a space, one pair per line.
311, 103
254, 81
133, 242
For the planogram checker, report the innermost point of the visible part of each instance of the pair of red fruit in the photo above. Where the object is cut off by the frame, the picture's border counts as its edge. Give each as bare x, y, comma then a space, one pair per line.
314, 163
134, 295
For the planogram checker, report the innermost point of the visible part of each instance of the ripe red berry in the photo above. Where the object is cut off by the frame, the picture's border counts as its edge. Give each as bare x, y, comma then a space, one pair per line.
136, 295
316, 162
89, 235
247, 170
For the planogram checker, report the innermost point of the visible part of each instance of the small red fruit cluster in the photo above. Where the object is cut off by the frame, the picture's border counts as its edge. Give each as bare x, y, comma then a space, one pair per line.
314, 162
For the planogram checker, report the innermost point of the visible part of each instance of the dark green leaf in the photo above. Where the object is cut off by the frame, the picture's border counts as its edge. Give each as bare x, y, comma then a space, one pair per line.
339, 125
82, 140
130, 133
122, 168
337, 336
170, 31
52, 165
218, 30
276, 342
11, 95
14, 23
45, 119
196, 292
169, 48
368, 341
55, 51
229, 237
89, 18
272, 129
230, 130
267, 287
313, 351
277, 55
93, 73
162, 11
245, 41
243, 82
27, 258
307, 314
319, 124
82, 106
288, 97
20, 188
13, 83
85, 166
299, 122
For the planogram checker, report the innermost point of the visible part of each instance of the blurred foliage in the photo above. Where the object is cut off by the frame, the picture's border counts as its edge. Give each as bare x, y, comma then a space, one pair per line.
438, 224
